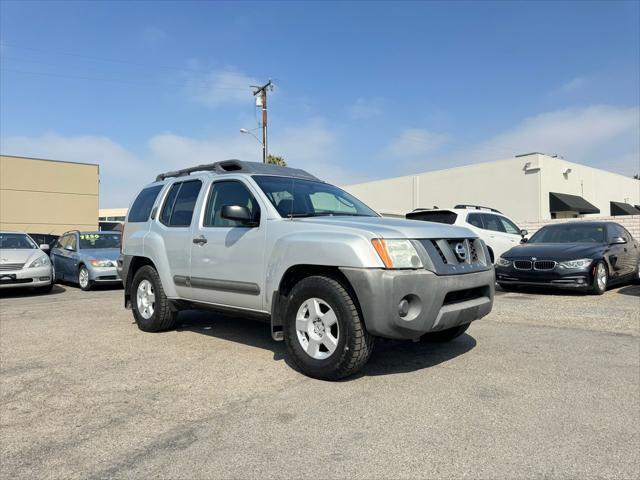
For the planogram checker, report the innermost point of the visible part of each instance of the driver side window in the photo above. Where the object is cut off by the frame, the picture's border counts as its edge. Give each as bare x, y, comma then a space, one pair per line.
227, 193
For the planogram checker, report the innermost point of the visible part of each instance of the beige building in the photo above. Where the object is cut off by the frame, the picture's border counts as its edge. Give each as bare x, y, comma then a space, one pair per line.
112, 214
528, 188
47, 196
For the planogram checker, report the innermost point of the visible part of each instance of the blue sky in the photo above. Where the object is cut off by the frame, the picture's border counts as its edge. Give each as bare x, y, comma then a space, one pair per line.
364, 90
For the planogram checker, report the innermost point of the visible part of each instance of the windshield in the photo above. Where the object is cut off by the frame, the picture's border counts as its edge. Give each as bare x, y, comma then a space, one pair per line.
99, 240
569, 234
16, 241
294, 197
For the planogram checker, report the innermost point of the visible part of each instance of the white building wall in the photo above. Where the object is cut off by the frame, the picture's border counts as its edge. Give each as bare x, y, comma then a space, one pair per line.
519, 187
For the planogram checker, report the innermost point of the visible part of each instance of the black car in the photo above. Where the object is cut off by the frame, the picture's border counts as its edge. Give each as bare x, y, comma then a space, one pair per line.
577, 255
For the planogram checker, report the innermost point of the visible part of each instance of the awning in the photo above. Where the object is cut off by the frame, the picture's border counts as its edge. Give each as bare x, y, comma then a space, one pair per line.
563, 202
619, 208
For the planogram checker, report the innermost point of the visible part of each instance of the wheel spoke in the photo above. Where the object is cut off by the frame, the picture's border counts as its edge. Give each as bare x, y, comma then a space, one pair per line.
301, 324
330, 342
314, 308
313, 347
329, 318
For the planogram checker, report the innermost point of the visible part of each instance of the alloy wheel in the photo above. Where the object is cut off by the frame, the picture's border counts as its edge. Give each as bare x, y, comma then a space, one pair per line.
317, 328
83, 277
601, 276
145, 299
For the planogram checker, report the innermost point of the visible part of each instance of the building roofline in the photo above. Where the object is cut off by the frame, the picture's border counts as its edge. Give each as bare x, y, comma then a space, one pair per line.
51, 160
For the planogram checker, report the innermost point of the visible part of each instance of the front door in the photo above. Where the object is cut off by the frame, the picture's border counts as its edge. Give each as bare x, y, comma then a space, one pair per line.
64, 257
227, 258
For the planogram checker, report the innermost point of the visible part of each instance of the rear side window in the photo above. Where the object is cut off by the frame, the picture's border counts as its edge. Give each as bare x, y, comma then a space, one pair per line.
492, 222
181, 200
141, 208
475, 219
441, 216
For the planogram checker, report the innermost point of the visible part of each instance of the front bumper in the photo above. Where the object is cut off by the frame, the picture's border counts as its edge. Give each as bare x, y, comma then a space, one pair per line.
104, 275
26, 277
436, 302
574, 278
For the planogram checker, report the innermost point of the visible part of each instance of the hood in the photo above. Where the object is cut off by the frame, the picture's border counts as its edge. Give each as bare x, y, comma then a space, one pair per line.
19, 255
100, 253
384, 227
554, 251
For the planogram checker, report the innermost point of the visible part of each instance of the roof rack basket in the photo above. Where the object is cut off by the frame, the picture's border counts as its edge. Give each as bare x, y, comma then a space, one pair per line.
478, 207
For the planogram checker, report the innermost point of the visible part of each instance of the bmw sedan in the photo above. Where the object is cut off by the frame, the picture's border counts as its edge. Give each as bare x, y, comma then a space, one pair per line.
577, 255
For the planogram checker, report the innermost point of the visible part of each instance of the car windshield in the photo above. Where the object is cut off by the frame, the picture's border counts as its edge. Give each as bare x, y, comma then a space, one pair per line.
294, 197
16, 241
569, 234
99, 240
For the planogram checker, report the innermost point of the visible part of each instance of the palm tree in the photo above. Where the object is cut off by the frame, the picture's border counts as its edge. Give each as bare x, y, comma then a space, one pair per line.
276, 160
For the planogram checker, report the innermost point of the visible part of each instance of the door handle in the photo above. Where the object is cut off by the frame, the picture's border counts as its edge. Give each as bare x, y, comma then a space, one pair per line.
201, 240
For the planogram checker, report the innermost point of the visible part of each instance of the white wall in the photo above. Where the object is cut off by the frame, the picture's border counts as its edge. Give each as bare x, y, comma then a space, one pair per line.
519, 187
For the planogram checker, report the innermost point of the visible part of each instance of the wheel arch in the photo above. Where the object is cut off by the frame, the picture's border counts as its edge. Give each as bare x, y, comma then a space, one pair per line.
290, 278
136, 263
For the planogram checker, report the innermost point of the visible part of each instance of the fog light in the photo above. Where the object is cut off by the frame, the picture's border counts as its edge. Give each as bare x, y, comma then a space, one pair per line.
42, 279
403, 308
581, 280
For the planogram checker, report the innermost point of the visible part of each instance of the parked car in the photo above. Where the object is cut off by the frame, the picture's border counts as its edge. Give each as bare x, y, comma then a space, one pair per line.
87, 258
325, 270
577, 255
498, 231
23, 263
44, 239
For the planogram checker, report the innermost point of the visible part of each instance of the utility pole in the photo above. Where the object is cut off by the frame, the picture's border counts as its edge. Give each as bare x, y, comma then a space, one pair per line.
262, 91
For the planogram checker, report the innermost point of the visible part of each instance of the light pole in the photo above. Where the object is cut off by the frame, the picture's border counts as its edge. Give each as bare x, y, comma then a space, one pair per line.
244, 130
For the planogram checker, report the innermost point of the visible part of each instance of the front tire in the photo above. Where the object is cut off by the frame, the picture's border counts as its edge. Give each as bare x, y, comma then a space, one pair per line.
150, 306
83, 279
447, 335
324, 332
600, 279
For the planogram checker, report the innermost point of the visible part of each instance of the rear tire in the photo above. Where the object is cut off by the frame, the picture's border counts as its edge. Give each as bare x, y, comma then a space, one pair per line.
600, 279
150, 306
324, 332
447, 335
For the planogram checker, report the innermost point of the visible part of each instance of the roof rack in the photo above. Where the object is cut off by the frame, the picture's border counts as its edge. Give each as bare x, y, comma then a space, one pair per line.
478, 207
234, 166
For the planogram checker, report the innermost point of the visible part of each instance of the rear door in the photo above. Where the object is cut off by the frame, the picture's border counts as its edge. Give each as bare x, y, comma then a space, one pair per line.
227, 258
500, 240
621, 256
174, 221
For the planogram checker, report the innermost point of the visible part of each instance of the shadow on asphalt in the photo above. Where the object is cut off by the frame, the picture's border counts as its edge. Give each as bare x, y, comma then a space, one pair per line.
389, 356
632, 290
29, 292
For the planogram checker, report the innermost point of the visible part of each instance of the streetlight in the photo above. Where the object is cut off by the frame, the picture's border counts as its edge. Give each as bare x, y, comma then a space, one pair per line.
244, 130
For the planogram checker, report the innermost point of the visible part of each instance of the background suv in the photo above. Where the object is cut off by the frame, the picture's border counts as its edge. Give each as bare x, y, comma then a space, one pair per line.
87, 258
498, 231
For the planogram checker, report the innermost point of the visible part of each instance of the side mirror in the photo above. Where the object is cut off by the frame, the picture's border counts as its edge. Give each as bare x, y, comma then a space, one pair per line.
238, 214
524, 233
44, 246
524, 240
618, 240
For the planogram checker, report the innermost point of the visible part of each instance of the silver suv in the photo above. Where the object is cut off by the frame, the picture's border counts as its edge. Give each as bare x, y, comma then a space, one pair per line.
327, 272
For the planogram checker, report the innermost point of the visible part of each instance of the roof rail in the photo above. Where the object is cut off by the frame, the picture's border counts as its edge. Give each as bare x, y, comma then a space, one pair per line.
478, 207
233, 166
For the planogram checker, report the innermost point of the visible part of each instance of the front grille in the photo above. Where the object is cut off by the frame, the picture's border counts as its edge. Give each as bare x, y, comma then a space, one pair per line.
439, 250
11, 266
453, 256
464, 295
544, 265
522, 264
13, 281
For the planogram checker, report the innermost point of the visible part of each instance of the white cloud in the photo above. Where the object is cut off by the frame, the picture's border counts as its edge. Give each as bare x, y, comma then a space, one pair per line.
221, 87
414, 142
573, 85
364, 108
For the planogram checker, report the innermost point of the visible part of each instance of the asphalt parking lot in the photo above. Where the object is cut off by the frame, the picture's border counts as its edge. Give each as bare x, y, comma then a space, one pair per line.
546, 386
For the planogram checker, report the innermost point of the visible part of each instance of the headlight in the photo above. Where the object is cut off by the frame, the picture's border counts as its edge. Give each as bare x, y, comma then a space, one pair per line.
41, 261
581, 263
103, 263
503, 262
397, 253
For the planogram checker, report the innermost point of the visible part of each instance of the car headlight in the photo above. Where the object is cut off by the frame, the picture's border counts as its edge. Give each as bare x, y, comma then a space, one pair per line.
41, 261
503, 262
103, 263
397, 253
581, 263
